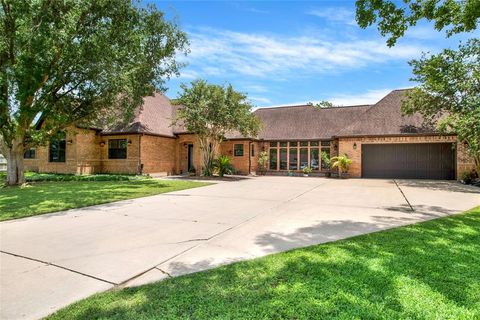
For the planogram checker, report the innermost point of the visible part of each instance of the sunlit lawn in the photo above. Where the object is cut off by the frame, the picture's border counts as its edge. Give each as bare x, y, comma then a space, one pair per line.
430, 270
43, 197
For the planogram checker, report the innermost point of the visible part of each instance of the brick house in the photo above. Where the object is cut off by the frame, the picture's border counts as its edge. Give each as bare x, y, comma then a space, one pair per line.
381, 142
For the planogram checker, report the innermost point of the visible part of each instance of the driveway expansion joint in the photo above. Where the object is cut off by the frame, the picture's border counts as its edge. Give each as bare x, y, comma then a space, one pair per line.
58, 266
404, 196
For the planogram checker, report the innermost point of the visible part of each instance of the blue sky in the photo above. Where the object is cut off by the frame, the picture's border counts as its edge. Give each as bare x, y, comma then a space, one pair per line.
282, 53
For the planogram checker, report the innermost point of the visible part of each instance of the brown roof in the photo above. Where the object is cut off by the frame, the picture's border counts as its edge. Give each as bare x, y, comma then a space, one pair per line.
386, 118
155, 116
301, 122
306, 121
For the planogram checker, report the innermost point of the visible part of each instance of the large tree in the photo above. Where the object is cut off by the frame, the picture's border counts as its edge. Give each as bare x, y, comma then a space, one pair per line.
71, 61
211, 111
448, 93
393, 18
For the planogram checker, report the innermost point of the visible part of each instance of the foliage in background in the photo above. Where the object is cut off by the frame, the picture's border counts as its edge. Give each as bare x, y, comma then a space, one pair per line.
77, 61
211, 111
263, 161
342, 163
223, 165
393, 18
448, 93
44, 177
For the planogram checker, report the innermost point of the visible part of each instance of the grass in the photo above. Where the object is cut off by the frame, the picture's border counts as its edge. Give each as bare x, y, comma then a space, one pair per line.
430, 270
44, 197
42, 177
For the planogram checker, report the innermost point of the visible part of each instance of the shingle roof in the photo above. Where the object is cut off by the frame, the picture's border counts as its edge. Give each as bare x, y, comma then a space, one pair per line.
386, 118
154, 117
306, 121
301, 122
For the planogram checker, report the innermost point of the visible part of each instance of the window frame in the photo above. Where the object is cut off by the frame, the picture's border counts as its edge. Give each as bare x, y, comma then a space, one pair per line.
235, 150
30, 154
61, 148
118, 149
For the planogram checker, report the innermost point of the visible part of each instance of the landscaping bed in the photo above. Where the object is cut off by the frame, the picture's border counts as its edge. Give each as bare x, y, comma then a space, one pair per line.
429, 270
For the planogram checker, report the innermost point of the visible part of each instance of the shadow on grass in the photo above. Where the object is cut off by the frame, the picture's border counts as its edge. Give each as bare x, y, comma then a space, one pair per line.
429, 270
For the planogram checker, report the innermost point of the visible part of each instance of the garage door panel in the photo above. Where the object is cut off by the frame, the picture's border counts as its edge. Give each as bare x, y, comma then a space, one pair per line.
408, 161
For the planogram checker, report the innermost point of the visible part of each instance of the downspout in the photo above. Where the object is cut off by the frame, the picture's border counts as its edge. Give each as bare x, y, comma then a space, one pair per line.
249, 157
139, 168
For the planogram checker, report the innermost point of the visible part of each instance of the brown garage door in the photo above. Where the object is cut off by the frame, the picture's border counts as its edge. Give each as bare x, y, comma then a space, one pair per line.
408, 161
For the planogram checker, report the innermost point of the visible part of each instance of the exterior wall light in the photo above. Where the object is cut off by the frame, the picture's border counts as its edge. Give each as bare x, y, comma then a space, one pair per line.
354, 146
129, 142
102, 144
70, 141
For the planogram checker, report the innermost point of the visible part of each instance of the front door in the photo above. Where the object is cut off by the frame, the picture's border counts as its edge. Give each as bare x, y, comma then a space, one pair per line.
190, 158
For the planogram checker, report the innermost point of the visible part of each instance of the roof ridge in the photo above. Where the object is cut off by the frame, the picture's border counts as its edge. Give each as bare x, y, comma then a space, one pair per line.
308, 105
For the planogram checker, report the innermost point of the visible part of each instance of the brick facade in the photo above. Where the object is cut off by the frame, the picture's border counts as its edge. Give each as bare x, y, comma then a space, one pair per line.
346, 146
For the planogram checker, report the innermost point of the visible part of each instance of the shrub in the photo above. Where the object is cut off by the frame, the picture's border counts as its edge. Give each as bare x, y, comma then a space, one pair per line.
223, 166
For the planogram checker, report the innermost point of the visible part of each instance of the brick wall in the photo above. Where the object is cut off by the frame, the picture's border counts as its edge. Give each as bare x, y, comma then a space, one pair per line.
241, 163
158, 154
345, 146
82, 154
130, 165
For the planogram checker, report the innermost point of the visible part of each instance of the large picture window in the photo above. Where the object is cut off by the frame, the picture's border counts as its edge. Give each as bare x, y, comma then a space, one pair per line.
273, 159
283, 159
117, 149
303, 158
57, 149
238, 150
293, 161
314, 159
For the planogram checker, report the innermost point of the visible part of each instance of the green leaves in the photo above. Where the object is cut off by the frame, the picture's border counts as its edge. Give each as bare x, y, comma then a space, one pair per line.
448, 94
215, 110
394, 18
69, 61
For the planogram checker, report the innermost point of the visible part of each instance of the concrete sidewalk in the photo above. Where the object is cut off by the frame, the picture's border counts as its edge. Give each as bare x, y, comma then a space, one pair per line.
52, 260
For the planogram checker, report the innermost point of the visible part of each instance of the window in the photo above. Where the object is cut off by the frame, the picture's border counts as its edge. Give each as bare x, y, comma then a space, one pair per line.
238, 150
273, 159
304, 144
56, 151
314, 159
303, 158
252, 150
117, 149
326, 143
283, 159
314, 143
283, 144
273, 144
29, 154
293, 165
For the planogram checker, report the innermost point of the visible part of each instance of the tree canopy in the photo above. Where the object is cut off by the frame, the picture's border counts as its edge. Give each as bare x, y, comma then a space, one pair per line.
71, 61
448, 93
393, 18
212, 111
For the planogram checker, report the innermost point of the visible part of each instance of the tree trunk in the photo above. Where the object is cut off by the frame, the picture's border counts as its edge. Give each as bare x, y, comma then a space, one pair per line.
15, 168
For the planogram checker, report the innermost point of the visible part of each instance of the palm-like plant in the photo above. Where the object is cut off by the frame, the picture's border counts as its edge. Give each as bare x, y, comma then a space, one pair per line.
223, 166
342, 163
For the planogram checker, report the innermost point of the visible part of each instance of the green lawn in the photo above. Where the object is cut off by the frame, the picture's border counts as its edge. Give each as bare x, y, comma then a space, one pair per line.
43, 197
430, 270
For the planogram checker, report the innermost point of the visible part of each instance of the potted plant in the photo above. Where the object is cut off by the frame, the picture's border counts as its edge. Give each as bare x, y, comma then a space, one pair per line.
223, 166
262, 162
290, 173
306, 170
342, 163
326, 163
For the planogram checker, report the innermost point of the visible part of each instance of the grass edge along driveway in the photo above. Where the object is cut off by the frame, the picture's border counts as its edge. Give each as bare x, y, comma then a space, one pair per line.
430, 270
46, 197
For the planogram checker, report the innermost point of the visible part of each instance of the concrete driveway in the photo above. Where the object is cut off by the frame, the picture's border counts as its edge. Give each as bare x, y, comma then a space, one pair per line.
52, 260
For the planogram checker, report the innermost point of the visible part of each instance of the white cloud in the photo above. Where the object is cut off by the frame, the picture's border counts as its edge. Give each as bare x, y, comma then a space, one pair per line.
341, 15
227, 53
260, 100
369, 97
